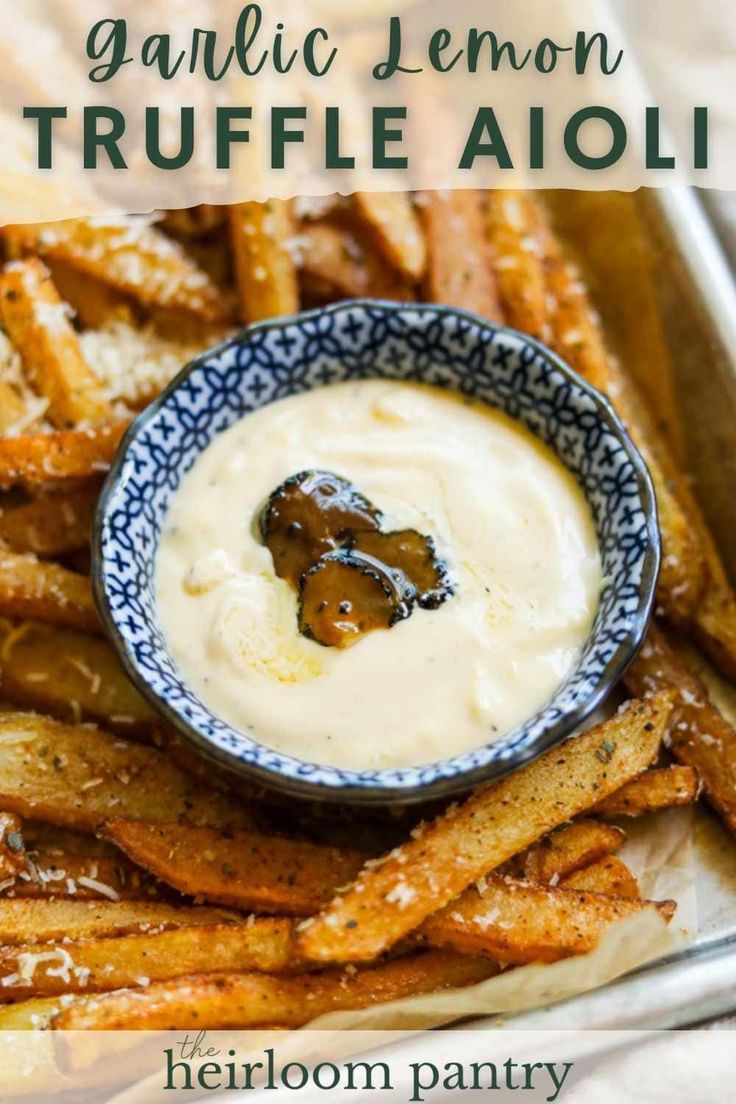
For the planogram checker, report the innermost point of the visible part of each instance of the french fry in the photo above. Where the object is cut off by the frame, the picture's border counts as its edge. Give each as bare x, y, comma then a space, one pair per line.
30, 587
264, 268
12, 407
127, 254
37, 322
569, 849
246, 869
29, 1015
43, 921
516, 922
72, 676
51, 525
459, 272
345, 267
12, 849
43, 837
94, 304
240, 1001
701, 737
100, 965
393, 896
514, 229
83, 878
610, 876
393, 223
78, 776
655, 789
67, 454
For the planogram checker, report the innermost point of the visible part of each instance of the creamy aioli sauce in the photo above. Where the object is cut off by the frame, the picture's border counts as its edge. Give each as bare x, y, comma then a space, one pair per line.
513, 526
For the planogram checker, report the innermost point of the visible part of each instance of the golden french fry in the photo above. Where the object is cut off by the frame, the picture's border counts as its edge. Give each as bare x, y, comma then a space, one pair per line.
252, 1000
345, 268
655, 789
83, 878
264, 268
246, 869
459, 272
700, 737
30, 587
392, 221
78, 776
29, 1015
94, 304
12, 848
393, 895
37, 322
12, 407
610, 876
127, 254
66, 454
570, 848
43, 921
72, 676
516, 922
514, 229
100, 965
51, 524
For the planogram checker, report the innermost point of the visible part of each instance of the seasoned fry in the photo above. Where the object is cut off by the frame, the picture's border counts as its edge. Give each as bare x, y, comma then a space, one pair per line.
37, 321
30, 587
83, 878
67, 454
610, 876
459, 272
569, 849
43, 921
264, 268
94, 304
12, 407
29, 1015
393, 222
655, 789
100, 965
393, 896
245, 869
12, 850
700, 737
514, 228
78, 776
251, 1000
129, 255
344, 267
51, 524
72, 676
516, 922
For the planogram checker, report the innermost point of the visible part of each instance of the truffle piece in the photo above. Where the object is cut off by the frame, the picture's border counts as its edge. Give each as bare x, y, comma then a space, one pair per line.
311, 514
415, 555
348, 594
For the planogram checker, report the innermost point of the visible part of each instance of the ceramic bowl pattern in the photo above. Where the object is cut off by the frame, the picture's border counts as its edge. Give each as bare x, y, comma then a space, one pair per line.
359, 340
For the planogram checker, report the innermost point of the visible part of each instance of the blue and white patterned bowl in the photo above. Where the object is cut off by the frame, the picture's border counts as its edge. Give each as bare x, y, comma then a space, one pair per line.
358, 340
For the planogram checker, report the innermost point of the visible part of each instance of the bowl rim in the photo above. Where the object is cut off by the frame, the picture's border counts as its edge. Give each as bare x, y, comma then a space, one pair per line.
361, 791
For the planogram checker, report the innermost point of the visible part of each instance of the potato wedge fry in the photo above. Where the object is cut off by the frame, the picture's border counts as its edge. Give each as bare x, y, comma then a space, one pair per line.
516, 922
12, 848
239, 1001
344, 267
77, 776
264, 268
655, 789
51, 524
393, 223
610, 876
72, 676
30, 587
459, 272
700, 737
84, 878
29, 1015
393, 896
514, 228
100, 965
569, 849
246, 869
67, 454
44, 921
37, 322
127, 254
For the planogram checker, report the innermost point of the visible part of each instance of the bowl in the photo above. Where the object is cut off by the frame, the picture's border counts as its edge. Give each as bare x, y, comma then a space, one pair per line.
356, 340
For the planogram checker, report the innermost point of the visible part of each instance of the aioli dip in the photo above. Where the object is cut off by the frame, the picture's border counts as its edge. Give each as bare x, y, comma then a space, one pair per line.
508, 519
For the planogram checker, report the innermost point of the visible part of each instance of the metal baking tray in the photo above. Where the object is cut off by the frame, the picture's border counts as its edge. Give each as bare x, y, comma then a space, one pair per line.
668, 300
